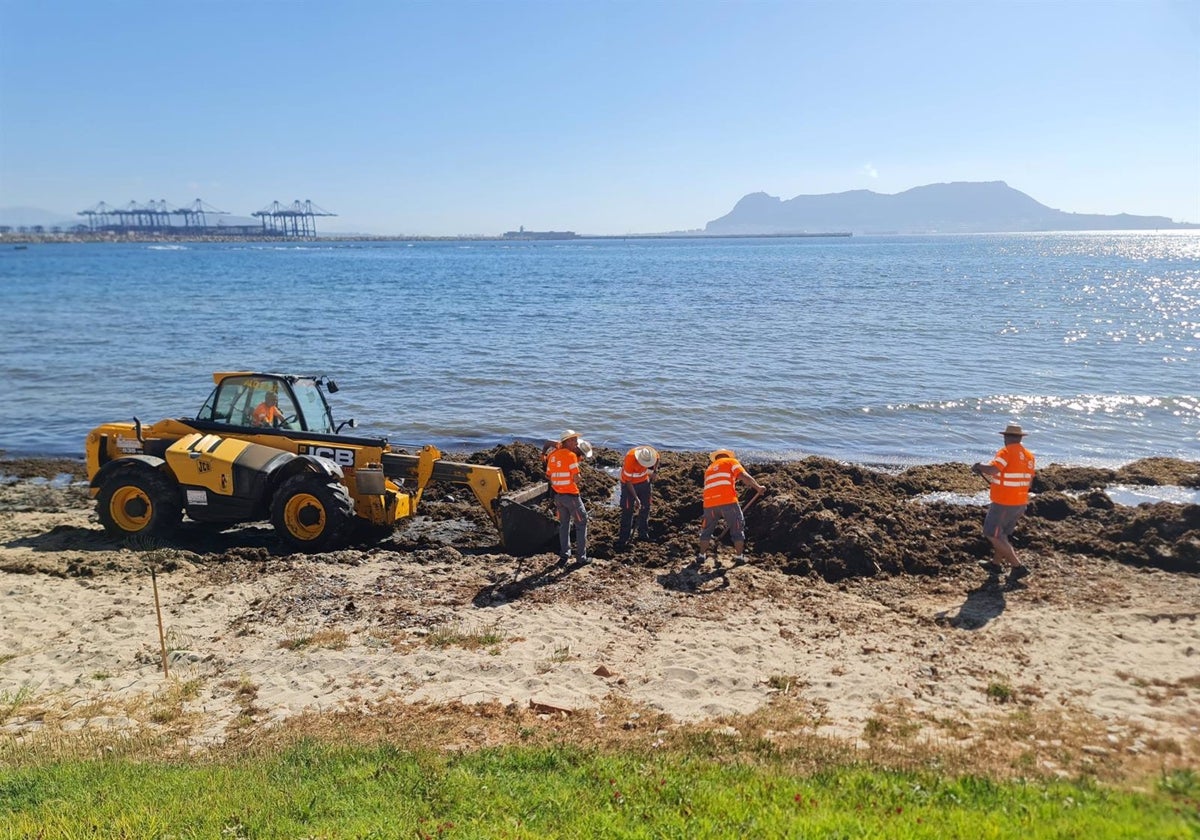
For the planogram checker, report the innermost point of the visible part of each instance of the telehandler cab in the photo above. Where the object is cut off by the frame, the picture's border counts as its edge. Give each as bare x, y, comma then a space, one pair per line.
265, 445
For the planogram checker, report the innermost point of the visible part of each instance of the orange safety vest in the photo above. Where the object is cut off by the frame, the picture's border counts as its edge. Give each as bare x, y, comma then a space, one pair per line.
265, 415
632, 471
1011, 485
561, 468
719, 486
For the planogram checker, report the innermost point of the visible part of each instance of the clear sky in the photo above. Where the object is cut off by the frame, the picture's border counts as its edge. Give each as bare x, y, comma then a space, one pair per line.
452, 117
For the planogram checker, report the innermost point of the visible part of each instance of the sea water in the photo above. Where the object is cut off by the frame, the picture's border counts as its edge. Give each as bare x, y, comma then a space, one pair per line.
878, 350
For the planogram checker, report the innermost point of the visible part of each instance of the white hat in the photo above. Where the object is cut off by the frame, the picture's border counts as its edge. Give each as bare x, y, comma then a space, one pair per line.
566, 436
584, 447
721, 453
647, 456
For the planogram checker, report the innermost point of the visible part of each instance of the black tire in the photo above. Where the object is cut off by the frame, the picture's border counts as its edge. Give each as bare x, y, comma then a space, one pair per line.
312, 512
139, 501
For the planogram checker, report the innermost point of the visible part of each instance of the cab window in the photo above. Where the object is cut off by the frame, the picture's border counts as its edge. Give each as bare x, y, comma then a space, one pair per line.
244, 401
314, 408
228, 403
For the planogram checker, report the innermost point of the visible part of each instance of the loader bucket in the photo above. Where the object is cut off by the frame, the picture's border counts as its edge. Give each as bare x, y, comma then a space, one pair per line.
524, 529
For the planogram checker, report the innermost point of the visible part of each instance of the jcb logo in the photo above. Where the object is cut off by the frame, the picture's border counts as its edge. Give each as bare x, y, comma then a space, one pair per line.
341, 457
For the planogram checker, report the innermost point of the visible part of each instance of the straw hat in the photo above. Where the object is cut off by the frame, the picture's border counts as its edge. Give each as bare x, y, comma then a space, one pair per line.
721, 453
646, 455
1013, 429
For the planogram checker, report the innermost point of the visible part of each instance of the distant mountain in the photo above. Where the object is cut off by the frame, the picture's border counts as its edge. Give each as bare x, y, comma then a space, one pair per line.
960, 207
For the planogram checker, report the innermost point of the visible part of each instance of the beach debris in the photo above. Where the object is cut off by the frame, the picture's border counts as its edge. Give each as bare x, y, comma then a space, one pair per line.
550, 708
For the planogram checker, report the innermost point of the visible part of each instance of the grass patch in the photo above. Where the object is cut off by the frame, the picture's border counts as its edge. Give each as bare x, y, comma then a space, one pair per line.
319, 789
561, 654
167, 706
1001, 692
329, 637
469, 636
10, 701
1183, 782
177, 640
785, 682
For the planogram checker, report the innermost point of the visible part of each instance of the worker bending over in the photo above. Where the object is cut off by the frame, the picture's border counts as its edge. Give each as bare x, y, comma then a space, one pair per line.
637, 474
721, 502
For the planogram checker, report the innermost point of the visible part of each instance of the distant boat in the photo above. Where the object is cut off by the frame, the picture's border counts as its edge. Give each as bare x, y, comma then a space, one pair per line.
540, 234
20, 247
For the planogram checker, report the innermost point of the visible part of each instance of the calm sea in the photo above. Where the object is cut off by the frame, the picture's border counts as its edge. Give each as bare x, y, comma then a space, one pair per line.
881, 350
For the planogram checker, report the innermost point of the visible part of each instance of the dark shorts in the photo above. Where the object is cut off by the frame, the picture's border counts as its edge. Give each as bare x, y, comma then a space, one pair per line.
1001, 520
732, 514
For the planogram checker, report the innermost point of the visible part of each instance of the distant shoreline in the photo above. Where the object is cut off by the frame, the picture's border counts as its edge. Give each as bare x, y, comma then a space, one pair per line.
74, 237
10, 240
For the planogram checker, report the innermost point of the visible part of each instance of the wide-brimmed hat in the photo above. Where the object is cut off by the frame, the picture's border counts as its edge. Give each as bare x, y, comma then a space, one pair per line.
566, 436
647, 456
721, 453
1013, 429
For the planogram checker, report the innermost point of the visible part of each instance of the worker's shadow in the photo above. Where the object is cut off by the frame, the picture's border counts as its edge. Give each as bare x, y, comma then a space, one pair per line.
512, 589
197, 537
983, 603
697, 578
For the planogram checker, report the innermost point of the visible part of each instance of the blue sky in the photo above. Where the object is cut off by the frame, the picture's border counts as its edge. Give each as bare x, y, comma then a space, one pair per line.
450, 117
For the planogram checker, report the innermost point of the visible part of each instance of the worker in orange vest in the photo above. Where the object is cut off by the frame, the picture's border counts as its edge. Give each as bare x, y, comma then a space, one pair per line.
267, 412
1010, 475
562, 470
637, 473
721, 502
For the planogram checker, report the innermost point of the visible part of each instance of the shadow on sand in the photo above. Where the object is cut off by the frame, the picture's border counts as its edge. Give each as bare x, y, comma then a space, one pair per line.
504, 591
983, 603
694, 579
191, 536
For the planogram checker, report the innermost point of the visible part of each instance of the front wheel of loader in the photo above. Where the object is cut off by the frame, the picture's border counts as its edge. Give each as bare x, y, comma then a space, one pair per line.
312, 512
139, 502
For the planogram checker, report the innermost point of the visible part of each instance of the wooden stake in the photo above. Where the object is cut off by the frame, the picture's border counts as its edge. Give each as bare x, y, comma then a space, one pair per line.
162, 640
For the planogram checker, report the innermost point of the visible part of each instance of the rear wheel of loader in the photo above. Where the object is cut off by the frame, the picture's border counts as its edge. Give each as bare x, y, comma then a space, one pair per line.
139, 502
312, 512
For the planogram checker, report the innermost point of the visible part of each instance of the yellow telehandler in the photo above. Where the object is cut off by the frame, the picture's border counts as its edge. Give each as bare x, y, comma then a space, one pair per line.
265, 445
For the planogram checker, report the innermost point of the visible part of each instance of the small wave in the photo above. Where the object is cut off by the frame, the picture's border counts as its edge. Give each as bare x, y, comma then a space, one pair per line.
1121, 494
1131, 495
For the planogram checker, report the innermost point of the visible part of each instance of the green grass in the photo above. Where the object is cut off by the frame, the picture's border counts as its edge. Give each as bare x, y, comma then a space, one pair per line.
1001, 692
10, 701
464, 635
318, 790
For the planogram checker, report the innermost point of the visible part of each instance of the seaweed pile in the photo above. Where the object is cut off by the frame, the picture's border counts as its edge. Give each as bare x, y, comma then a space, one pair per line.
838, 520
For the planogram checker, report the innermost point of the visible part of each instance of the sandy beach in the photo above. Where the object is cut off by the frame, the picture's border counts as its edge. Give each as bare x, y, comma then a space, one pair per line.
862, 618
